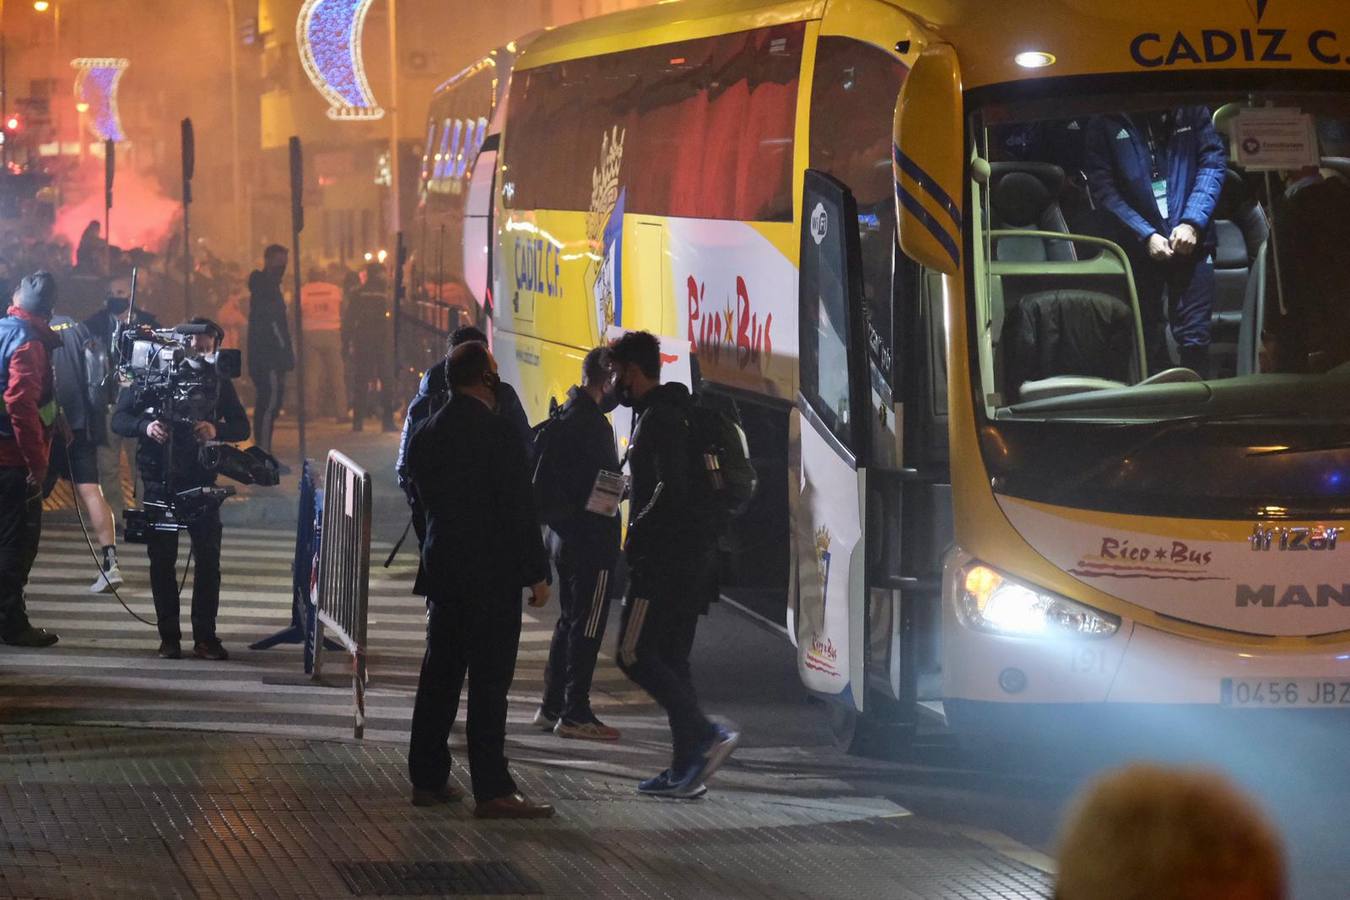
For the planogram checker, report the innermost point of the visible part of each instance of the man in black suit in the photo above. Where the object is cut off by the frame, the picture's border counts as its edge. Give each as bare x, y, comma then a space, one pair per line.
482, 547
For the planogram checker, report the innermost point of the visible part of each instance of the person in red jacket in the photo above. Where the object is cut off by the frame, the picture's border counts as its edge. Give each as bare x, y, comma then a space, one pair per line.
27, 414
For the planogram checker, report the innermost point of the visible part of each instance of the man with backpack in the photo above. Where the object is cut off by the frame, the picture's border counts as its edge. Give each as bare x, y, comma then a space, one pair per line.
672, 557
578, 488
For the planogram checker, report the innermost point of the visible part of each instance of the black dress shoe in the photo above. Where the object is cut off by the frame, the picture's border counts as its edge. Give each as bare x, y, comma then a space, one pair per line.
170, 650
512, 806
32, 637
447, 793
212, 649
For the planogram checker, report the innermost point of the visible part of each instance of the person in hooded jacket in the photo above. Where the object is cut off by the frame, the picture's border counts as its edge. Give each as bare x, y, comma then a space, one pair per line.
672, 556
270, 355
575, 447
28, 413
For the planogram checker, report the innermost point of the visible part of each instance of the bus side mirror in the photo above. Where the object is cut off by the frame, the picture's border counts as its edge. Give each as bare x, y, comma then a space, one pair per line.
927, 160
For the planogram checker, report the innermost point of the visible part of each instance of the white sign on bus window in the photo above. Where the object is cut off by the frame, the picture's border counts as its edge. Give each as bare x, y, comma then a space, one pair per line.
1275, 140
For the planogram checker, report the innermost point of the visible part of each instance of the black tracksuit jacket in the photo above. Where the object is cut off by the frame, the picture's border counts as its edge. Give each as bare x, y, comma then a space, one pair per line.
580, 444
671, 550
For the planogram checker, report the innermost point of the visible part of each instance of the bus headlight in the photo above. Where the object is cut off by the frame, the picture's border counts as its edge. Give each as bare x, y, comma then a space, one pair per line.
993, 602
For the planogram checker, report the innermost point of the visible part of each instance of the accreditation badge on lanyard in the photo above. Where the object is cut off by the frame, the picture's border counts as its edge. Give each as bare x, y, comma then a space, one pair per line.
1159, 176
606, 493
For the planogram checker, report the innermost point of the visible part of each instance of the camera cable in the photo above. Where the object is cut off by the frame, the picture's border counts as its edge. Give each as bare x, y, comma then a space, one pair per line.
93, 553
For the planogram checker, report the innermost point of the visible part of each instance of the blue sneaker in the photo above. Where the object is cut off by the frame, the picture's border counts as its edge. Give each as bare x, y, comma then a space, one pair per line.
664, 785
714, 752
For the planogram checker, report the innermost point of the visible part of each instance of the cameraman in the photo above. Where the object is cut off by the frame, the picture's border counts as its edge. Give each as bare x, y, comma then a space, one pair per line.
180, 441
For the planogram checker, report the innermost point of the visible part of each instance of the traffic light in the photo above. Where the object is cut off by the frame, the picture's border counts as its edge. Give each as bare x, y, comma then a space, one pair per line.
13, 123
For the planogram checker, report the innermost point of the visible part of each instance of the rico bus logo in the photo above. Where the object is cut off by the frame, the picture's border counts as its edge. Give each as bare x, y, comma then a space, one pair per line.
1153, 49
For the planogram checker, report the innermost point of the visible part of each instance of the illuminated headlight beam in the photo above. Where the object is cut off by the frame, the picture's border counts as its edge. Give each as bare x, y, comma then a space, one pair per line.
328, 33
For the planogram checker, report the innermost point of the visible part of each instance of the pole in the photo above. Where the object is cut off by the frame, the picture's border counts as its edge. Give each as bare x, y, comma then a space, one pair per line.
4, 92
395, 184
4, 87
55, 100
109, 173
189, 164
297, 226
236, 175
400, 258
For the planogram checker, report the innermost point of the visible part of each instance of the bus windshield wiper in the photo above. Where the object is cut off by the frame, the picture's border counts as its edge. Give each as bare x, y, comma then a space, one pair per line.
1290, 451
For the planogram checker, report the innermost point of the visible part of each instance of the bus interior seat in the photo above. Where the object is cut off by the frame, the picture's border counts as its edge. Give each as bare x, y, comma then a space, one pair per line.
1338, 164
1025, 196
1253, 316
1072, 334
1241, 231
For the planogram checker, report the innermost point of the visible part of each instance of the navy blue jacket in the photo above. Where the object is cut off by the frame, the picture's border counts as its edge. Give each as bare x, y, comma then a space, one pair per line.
1119, 171
433, 393
579, 443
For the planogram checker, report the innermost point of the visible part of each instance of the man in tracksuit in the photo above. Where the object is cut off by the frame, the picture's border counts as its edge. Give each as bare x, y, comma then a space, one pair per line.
27, 414
574, 448
671, 552
1160, 175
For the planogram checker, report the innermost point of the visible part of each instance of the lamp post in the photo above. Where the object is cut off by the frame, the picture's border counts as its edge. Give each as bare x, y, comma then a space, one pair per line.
395, 213
236, 176
54, 105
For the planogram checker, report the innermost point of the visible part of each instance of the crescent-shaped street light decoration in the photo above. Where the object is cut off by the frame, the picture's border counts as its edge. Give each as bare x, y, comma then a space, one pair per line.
328, 33
96, 81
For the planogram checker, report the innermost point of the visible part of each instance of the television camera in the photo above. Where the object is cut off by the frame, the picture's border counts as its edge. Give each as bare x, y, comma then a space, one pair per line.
179, 386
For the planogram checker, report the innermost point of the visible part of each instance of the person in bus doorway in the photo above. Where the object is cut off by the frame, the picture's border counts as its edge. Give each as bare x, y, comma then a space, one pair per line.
578, 488
1160, 175
482, 548
270, 355
672, 558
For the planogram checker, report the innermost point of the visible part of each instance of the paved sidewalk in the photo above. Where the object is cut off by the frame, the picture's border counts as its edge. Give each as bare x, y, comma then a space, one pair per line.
103, 812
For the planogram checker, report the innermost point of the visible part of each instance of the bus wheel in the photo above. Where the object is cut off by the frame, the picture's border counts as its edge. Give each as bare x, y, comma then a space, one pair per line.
867, 736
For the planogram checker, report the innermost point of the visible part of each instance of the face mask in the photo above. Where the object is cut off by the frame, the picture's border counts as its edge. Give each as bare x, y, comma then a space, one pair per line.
609, 401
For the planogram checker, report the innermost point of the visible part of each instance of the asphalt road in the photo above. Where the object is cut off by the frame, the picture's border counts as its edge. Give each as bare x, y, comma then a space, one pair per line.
747, 674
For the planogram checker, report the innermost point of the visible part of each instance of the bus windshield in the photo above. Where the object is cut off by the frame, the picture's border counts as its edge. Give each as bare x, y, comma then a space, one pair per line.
1160, 298
1151, 256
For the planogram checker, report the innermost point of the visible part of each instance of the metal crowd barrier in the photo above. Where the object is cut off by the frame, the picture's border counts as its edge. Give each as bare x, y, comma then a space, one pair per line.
342, 601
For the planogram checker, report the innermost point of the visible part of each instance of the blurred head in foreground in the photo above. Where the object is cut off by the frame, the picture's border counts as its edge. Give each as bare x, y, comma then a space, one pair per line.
1152, 833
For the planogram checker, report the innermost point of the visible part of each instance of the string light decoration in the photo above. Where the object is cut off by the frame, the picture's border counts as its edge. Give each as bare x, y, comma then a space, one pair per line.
328, 33
96, 82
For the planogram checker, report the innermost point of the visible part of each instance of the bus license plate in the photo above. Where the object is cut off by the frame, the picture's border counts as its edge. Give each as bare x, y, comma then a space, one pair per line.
1303, 693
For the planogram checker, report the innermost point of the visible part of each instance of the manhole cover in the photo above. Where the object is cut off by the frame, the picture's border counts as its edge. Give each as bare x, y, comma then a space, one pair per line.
476, 877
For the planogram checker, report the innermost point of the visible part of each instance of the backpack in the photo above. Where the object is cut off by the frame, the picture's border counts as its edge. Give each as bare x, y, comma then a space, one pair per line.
724, 477
548, 499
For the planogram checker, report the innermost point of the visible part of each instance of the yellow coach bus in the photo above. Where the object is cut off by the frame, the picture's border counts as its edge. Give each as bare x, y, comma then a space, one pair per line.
1036, 316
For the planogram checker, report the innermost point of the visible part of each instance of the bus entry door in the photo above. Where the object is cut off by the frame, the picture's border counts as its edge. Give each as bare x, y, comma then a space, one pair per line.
829, 523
